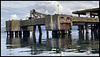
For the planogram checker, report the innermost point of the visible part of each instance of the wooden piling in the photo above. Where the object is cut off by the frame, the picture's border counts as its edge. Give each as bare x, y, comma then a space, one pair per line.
16, 33
39, 27
87, 27
87, 36
91, 32
7, 32
11, 33
34, 28
20, 33
40, 38
47, 34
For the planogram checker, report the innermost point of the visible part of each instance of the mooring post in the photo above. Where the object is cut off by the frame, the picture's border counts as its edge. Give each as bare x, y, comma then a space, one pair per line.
34, 28
39, 27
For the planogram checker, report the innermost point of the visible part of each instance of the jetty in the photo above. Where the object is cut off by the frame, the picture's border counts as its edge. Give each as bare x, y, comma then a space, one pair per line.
57, 23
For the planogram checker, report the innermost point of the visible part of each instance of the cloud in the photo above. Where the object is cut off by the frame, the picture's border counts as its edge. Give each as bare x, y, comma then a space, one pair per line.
21, 9
15, 17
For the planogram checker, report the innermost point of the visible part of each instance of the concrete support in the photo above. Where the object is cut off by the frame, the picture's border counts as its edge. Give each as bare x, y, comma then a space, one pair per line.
16, 33
39, 27
34, 28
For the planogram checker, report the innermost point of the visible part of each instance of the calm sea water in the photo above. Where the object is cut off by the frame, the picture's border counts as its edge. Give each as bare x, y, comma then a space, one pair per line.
41, 45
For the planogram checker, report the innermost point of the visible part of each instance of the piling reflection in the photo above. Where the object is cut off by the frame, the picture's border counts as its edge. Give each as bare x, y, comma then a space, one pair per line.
13, 42
89, 45
59, 43
62, 43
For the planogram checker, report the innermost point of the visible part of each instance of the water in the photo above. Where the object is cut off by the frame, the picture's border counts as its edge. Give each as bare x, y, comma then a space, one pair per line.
40, 45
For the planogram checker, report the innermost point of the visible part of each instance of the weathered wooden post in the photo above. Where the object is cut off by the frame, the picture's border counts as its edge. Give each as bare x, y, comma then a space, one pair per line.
87, 31
16, 33
28, 33
96, 32
87, 36
40, 38
87, 27
81, 32
11, 33
34, 29
47, 34
39, 27
34, 38
20, 33
7, 33
91, 32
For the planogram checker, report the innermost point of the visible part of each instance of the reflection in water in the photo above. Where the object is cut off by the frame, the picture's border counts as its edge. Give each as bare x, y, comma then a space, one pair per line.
58, 44
89, 45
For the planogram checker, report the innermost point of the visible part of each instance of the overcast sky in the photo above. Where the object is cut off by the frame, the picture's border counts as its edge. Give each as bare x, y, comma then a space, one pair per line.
20, 9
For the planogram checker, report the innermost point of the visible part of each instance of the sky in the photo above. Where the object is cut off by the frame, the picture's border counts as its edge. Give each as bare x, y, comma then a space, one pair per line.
20, 9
